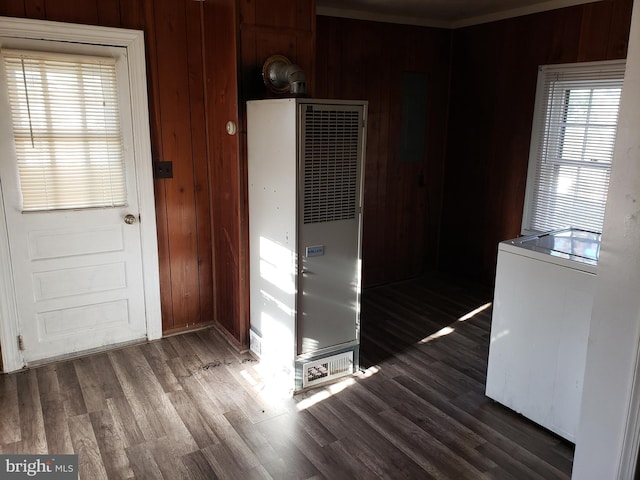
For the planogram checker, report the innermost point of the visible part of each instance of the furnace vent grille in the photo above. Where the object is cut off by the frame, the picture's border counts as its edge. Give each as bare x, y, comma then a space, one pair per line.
325, 369
330, 164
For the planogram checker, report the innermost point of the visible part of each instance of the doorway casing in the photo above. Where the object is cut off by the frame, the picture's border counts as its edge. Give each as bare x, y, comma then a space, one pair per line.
133, 42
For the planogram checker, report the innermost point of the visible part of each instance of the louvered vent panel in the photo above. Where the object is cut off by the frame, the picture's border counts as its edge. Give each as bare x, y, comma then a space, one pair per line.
330, 165
328, 368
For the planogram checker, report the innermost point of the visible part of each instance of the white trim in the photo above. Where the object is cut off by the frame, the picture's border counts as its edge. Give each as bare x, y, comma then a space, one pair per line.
11, 357
133, 41
538, 125
380, 17
518, 12
67, 32
607, 441
450, 24
144, 177
631, 440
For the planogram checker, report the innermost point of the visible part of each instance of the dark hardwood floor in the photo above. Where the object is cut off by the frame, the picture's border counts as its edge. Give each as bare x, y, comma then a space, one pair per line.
190, 407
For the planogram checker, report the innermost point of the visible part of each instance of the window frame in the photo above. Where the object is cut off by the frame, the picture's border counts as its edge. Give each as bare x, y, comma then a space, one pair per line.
538, 137
113, 58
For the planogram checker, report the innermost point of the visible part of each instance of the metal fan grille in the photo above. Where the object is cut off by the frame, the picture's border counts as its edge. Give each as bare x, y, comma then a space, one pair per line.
328, 368
330, 165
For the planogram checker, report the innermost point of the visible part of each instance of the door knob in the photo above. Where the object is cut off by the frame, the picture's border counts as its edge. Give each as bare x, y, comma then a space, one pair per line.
129, 219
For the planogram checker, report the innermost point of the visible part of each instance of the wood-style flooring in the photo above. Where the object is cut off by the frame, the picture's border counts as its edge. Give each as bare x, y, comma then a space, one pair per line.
190, 407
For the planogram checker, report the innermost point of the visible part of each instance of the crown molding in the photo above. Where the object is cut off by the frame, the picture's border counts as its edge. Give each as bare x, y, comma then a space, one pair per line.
459, 23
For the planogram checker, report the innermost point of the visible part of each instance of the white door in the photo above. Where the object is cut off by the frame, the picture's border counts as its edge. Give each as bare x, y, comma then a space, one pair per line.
77, 272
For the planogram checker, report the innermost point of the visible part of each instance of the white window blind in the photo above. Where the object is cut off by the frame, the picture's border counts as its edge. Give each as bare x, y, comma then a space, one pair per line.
66, 127
572, 146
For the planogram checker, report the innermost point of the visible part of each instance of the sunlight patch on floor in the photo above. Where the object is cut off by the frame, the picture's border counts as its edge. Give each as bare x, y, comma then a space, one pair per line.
325, 393
475, 312
451, 328
440, 333
274, 387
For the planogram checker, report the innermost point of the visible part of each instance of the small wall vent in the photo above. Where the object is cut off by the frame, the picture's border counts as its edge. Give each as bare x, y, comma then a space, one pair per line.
255, 343
326, 369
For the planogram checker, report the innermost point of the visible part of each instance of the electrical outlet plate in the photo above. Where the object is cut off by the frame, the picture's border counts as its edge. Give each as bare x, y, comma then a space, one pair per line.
163, 169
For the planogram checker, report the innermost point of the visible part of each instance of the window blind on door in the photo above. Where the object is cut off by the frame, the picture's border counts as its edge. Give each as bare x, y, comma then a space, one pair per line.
572, 146
66, 128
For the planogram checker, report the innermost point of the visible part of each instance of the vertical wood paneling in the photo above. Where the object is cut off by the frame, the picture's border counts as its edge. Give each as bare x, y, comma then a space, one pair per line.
220, 44
275, 12
396, 204
261, 28
474, 105
72, 12
305, 15
251, 85
306, 48
561, 27
438, 106
619, 31
145, 15
270, 27
35, 9
247, 12
175, 76
594, 37
174, 93
109, 13
329, 59
133, 14
366, 60
140, 14
166, 300
200, 161
375, 181
201, 212
492, 97
410, 232
12, 8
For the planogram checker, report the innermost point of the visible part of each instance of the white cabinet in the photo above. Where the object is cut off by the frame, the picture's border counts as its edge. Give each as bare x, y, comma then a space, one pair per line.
305, 168
539, 334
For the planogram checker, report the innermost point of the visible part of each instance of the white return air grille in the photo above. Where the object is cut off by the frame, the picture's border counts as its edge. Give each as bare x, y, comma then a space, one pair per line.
330, 164
325, 369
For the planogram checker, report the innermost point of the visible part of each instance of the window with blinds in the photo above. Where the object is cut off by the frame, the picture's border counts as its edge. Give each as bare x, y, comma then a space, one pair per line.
66, 127
575, 121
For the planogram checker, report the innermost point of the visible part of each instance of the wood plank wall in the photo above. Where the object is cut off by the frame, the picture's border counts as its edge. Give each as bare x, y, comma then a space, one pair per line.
267, 27
173, 39
478, 130
239, 37
363, 60
270, 27
492, 97
203, 62
196, 84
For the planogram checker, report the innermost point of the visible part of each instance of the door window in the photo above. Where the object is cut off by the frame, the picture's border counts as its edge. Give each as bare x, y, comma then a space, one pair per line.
66, 129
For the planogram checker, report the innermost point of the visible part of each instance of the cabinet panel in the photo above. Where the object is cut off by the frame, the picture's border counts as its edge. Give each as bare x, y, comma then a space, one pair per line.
539, 333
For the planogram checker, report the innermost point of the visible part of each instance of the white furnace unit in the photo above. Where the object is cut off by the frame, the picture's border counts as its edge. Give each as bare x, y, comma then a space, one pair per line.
305, 160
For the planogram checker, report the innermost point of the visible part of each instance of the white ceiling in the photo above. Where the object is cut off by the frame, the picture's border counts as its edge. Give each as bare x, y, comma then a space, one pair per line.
438, 13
